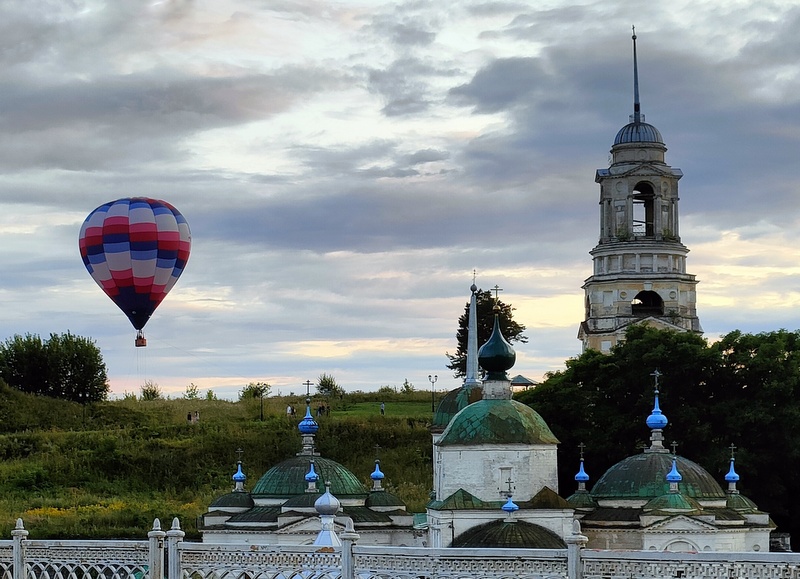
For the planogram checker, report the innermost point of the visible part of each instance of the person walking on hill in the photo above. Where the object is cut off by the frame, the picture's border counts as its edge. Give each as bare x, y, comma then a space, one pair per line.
383, 409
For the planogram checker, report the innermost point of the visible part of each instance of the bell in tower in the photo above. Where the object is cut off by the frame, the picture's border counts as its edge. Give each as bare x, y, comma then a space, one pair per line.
639, 265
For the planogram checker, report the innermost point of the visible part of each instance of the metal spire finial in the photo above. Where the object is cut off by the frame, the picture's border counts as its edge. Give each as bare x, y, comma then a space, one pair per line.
637, 116
656, 375
496, 289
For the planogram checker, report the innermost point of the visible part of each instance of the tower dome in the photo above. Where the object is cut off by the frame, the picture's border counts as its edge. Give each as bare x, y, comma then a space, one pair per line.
638, 132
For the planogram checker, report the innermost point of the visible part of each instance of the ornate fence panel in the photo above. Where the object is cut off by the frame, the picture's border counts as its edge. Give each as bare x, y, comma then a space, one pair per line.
422, 563
86, 559
207, 561
6, 559
663, 565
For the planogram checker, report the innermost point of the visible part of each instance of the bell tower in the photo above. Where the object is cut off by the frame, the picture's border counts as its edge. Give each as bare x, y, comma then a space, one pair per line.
639, 264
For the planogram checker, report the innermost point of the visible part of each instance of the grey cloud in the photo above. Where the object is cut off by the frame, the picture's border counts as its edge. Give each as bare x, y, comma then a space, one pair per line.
126, 120
404, 84
500, 85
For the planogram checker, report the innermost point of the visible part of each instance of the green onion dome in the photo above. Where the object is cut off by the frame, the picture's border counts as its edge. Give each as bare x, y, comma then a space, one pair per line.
497, 421
496, 355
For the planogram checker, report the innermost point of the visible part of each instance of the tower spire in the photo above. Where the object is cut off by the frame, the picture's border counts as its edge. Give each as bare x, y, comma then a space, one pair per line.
637, 115
471, 378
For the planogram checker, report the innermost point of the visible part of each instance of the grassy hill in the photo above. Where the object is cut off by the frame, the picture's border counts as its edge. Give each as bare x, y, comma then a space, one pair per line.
107, 470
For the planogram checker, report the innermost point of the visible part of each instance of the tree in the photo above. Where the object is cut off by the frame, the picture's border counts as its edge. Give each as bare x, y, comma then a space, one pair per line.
327, 386
64, 366
484, 306
256, 390
741, 390
150, 391
192, 392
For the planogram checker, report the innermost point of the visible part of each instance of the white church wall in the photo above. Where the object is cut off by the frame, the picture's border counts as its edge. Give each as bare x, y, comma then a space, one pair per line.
484, 470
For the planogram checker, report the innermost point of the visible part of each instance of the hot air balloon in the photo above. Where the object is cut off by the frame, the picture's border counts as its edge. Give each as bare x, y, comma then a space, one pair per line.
135, 249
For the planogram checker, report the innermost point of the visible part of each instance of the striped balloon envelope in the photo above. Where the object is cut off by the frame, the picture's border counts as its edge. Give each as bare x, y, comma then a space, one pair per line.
135, 249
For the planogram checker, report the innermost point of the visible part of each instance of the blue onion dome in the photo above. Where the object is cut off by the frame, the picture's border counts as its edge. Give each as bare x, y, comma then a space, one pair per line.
673, 476
638, 132
496, 355
327, 504
308, 425
656, 420
510, 506
311, 475
732, 477
377, 474
582, 476
239, 476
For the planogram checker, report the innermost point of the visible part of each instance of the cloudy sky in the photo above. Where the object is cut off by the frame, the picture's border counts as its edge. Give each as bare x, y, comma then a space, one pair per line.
346, 165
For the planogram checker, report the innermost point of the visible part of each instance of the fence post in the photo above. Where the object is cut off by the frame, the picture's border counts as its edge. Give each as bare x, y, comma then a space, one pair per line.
575, 542
19, 534
348, 538
156, 551
174, 536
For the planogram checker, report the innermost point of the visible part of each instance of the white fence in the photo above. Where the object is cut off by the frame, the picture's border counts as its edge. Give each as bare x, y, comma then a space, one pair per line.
23, 558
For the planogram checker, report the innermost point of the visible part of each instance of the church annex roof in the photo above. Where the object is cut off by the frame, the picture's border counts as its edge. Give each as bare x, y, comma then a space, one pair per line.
497, 422
287, 479
235, 499
509, 534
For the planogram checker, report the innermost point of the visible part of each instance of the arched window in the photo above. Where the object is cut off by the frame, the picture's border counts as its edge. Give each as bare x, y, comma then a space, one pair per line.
647, 303
644, 209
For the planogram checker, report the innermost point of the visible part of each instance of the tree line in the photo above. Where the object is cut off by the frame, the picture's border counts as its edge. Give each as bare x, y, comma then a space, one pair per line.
743, 390
62, 366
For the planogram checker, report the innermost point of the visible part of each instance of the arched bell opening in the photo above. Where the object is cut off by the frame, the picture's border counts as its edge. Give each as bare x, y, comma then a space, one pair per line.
647, 303
644, 200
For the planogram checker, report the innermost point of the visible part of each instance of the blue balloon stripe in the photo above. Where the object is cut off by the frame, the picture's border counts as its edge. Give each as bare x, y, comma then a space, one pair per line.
145, 255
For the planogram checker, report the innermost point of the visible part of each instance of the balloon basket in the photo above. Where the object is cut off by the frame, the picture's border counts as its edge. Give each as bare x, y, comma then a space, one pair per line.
141, 341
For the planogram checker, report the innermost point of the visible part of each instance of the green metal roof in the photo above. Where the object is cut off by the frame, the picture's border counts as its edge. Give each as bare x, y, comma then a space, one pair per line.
643, 476
453, 402
302, 501
672, 502
366, 515
582, 500
287, 479
497, 422
383, 499
547, 498
503, 534
257, 515
741, 504
238, 500
460, 499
